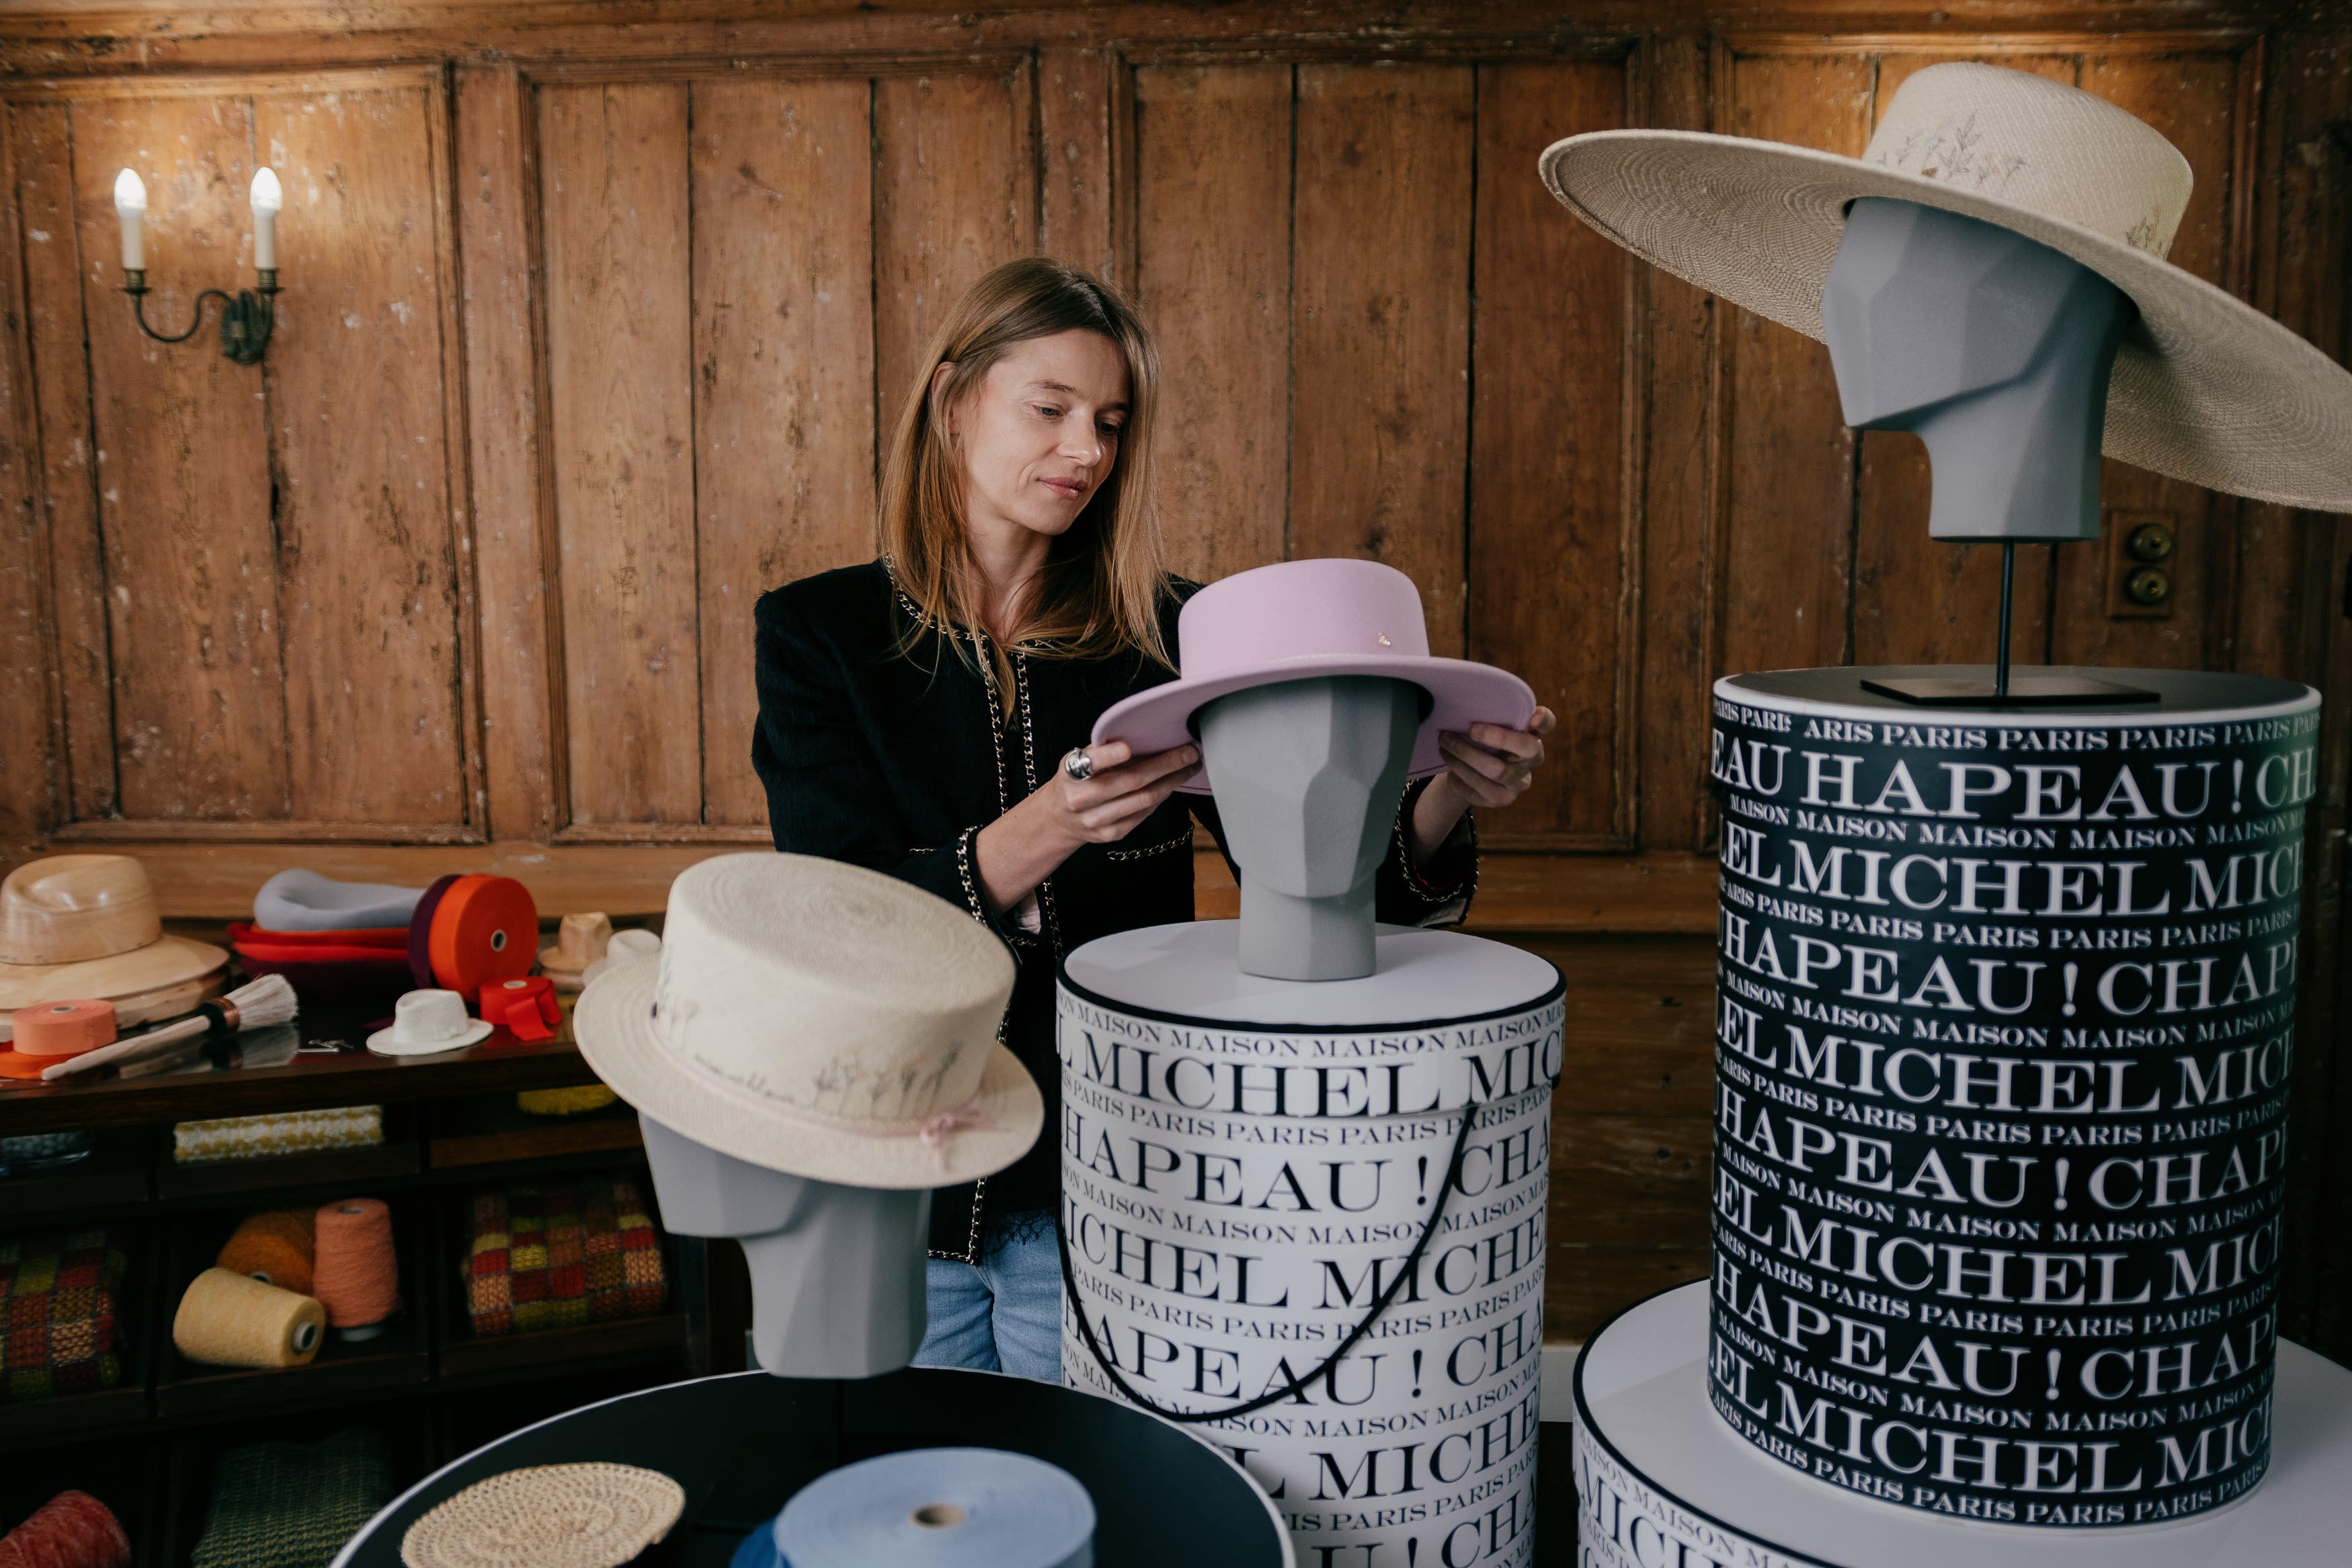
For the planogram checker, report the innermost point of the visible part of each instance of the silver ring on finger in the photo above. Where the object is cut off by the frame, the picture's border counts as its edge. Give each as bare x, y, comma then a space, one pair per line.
1078, 764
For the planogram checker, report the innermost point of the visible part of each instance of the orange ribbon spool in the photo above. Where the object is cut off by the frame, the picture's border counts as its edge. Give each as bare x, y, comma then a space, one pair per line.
527, 1007
485, 929
48, 1032
63, 1029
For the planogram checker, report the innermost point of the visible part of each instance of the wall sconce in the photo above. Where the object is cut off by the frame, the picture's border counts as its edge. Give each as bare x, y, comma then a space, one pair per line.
247, 318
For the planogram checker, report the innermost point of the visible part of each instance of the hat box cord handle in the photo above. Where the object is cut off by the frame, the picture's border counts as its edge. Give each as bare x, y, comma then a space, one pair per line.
1297, 1384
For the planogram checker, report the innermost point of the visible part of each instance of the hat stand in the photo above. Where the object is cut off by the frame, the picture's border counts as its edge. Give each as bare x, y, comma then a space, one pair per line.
1930, 921
1309, 774
836, 1271
1996, 351
1381, 1073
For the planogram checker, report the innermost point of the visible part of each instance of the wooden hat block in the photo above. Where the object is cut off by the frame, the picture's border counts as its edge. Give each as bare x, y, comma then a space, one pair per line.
87, 927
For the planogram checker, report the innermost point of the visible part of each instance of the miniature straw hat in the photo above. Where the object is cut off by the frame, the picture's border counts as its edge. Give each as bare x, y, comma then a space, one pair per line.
87, 926
579, 941
548, 1516
821, 1020
1298, 620
2205, 387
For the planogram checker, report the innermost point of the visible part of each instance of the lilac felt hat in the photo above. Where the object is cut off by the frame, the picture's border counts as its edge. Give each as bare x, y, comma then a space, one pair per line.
1297, 620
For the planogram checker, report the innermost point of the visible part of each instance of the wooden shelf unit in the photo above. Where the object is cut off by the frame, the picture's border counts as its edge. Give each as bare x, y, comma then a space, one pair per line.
451, 1127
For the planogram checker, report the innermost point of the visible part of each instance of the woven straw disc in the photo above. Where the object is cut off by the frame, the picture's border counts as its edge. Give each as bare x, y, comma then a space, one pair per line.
548, 1516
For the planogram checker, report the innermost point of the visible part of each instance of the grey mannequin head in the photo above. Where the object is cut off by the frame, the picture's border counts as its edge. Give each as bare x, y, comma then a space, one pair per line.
836, 1271
1308, 776
1994, 348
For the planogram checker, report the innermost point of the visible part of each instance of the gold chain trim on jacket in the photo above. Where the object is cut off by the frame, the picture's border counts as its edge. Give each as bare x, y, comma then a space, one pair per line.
1029, 771
1441, 900
1182, 841
963, 868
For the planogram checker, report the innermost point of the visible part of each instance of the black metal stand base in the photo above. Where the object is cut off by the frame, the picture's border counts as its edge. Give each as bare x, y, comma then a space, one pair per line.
2024, 691
2006, 690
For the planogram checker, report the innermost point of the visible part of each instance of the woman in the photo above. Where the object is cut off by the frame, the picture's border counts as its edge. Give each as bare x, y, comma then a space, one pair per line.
916, 713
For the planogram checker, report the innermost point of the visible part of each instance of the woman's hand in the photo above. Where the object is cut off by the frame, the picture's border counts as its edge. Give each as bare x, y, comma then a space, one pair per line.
1490, 766
1024, 847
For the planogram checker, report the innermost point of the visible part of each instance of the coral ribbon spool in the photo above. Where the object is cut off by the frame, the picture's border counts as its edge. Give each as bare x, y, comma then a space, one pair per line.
485, 929
63, 1029
355, 1275
527, 1007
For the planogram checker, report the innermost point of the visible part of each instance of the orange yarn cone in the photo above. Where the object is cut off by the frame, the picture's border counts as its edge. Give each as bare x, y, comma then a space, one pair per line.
275, 1248
356, 1275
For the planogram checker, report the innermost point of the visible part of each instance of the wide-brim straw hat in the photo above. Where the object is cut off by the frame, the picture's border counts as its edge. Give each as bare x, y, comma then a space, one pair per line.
2205, 388
821, 1020
87, 928
1298, 620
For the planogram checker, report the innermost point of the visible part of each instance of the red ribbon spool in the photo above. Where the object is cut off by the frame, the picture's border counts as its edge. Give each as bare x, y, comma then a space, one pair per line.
525, 1007
485, 929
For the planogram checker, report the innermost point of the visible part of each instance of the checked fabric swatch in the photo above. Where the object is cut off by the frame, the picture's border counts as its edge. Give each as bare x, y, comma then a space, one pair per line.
559, 1255
58, 1327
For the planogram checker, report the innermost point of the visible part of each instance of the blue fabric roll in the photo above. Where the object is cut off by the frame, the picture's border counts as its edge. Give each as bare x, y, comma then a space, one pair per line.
933, 1508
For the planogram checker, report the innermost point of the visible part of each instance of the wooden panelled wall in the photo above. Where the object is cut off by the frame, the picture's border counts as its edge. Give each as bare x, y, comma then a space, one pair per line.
589, 326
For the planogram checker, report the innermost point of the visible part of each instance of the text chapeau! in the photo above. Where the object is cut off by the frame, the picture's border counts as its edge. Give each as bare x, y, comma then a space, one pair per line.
2003, 1031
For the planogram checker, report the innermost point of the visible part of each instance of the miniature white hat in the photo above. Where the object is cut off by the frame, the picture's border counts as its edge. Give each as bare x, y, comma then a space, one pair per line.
634, 946
821, 1020
2205, 387
427, 1022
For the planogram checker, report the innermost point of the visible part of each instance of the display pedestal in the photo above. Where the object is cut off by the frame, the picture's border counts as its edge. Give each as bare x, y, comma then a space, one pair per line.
1249, 1168
2005, 1017
1661, 1479
742, 1444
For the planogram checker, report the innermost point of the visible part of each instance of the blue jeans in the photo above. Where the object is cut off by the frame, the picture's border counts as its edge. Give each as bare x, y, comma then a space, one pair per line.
1004, 1312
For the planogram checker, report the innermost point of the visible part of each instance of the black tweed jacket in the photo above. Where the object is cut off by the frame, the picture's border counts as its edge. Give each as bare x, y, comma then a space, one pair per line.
895, 761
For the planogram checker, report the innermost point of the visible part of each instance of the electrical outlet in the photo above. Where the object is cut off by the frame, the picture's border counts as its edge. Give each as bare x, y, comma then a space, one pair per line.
2143, 564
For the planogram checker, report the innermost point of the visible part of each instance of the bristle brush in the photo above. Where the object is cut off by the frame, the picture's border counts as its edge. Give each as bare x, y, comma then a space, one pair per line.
265, 1001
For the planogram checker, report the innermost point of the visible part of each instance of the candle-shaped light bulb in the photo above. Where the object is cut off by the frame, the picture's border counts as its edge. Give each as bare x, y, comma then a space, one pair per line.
267, 198
130, 206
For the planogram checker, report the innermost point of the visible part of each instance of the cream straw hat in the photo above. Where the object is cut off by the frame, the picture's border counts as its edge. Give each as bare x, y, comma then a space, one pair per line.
821, 1020
2205, 388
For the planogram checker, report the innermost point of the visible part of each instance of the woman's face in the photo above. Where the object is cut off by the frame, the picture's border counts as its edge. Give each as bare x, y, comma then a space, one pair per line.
1040, 433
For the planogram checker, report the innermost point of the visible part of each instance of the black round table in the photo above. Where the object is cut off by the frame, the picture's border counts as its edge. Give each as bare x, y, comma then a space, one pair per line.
743, 1443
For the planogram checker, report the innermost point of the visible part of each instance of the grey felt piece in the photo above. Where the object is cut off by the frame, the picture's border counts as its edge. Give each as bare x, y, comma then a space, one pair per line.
299, 900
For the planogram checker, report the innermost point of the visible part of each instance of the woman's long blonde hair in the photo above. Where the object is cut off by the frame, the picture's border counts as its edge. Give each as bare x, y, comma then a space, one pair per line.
1099, 592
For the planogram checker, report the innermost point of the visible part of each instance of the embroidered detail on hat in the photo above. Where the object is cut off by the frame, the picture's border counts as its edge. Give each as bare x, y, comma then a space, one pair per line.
1949, 154
836, 1084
